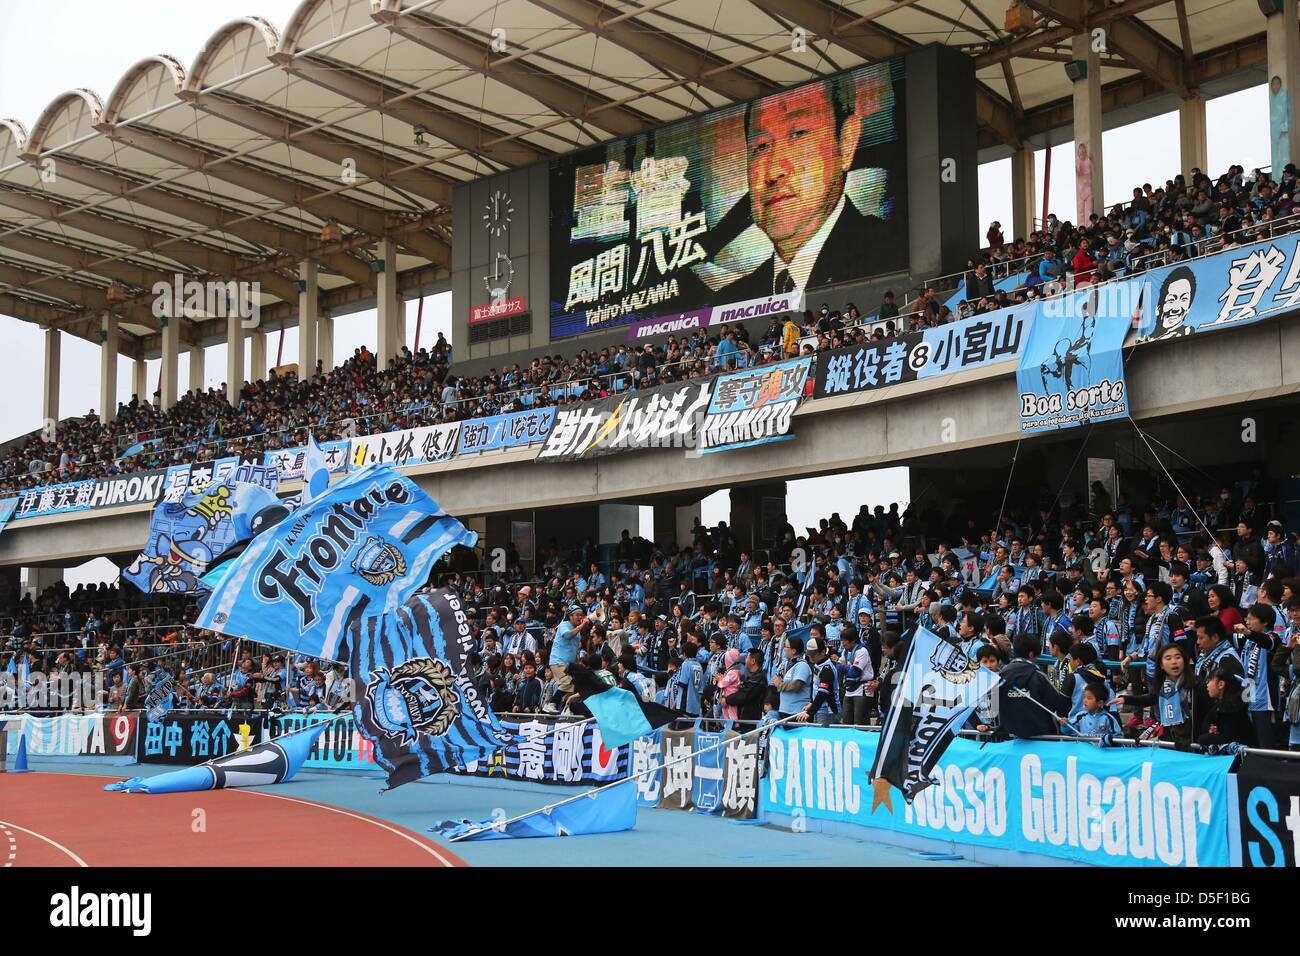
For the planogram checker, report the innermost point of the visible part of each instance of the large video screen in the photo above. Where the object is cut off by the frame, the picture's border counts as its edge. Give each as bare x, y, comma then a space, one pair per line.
778, 197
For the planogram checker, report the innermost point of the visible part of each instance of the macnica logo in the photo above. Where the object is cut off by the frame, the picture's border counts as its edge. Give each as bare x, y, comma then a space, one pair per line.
76, 909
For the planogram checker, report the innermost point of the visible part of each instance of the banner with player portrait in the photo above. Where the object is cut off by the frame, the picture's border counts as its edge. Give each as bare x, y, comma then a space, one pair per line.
800, 189
1235, 288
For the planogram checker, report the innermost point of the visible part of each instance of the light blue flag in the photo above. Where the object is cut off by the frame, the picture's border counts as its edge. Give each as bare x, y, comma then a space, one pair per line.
620, 716
141, 446
986, 586
275, 761
361, 548
609, 809
316, 473
7, 508
186, 536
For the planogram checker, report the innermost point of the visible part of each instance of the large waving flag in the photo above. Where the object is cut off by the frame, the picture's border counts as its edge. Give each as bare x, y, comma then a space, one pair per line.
187, 537
938, 690
419, 704
316, 473
361, 548
272, 762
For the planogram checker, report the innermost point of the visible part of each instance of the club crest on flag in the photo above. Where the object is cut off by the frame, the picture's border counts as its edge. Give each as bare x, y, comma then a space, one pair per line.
418, 696
953, 664
379, 562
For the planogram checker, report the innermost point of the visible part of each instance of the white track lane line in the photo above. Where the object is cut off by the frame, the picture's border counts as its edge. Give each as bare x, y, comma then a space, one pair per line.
58, 846
431, 850
11, 848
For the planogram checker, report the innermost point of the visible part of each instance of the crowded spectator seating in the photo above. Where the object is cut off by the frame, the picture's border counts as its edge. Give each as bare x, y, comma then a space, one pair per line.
670, 618
1178, 221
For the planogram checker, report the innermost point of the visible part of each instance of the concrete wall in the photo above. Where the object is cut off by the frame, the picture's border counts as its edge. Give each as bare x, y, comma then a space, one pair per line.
963, 421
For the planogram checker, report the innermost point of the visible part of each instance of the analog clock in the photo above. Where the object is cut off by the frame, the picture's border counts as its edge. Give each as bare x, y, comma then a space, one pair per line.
496, 216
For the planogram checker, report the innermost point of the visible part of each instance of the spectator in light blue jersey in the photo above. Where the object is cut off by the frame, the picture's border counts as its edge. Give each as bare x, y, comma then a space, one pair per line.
687, 681
794, 681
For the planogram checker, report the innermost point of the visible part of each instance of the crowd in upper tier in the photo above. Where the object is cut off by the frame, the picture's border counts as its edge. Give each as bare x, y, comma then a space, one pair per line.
1159, 226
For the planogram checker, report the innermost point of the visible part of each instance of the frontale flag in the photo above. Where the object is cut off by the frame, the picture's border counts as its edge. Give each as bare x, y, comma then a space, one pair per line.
938, 690
415, 694
275, 761
361, 548
608, 809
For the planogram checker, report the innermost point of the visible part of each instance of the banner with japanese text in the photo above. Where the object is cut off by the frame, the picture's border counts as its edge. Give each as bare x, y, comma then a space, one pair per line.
664, 417
91, 493
912, 356
410, 446
755, 406
505, 431
291, 462
190, 738
552, 751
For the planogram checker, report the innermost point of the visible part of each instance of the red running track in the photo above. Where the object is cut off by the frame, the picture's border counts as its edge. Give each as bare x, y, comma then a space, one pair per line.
57, 819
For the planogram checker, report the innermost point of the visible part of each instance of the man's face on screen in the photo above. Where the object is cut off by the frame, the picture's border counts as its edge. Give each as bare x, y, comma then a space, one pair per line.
796, 165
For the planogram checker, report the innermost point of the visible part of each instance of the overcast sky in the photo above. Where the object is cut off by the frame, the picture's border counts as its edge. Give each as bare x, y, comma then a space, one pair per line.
48, 48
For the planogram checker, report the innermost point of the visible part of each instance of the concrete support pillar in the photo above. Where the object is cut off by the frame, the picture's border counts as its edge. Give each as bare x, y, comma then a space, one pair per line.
38, 579
171, 331
496, 536
140, 382
257, 355
386, 305
1283, 44
325, 341
234, 358
1193, 144
50, 388
1088, 179
675, 523
757, 512
197, 370
308, 290
108, 367
614, 519
1022, 192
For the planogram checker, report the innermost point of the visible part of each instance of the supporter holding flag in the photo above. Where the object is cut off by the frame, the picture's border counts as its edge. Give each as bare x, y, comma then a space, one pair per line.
621, 715
939, 689
1093, 719
1028, 704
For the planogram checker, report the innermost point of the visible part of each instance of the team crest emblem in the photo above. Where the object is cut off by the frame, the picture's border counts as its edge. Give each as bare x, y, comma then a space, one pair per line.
416, 697
953, 664
379, 562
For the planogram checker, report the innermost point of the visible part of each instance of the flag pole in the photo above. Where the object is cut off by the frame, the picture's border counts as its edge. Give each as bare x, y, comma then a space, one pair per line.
593, 793
1022, 693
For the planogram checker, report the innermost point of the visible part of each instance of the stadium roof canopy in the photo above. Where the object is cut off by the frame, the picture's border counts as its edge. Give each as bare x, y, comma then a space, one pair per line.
233, 167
